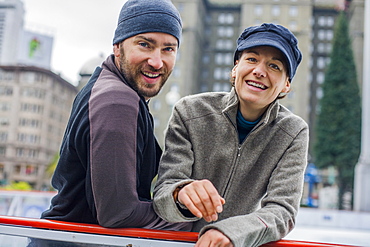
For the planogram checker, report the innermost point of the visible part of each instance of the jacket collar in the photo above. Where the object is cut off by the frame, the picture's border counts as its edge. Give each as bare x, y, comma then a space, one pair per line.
232, 106
110, 65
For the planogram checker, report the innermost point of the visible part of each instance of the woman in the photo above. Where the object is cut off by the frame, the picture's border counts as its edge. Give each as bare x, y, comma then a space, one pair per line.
234, 162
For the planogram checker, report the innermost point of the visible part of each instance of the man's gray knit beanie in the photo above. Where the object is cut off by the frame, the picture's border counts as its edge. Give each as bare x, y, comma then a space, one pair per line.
145, 16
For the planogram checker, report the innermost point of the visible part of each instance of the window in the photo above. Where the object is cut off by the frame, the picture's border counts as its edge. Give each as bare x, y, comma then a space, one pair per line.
219, 58
221, 18
5, 106
320, 77
257, 22
322, 21
17, 168
321, 47
33, 93
221, 87
26, 153
31, 170
321, 34
4, 121
28, 138
3, 136
258, 10
321, 62
33, 123
28, 78
330, 21
319, 93
6, 91
2, 153
25, 107
223, 59
205, 74
6, 76
217, 74
225, 31
328, 47
229, 18
206, 59
222, 44
293, 11
275, 10
329, 35
293, 26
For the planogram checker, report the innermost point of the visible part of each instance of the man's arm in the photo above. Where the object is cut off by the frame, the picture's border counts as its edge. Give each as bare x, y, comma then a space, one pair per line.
113, 160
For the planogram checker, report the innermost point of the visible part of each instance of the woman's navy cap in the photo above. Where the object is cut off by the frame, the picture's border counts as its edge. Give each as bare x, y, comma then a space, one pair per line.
146, 16
277, 36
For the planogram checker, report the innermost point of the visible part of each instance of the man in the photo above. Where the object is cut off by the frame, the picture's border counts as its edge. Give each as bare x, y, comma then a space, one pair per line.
109, 155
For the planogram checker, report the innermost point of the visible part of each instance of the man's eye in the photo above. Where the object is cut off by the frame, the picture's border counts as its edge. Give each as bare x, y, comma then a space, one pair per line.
143, 44
169, 49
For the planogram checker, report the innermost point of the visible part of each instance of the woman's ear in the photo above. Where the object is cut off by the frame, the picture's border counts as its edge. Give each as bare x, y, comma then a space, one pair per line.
287, 86
233, 71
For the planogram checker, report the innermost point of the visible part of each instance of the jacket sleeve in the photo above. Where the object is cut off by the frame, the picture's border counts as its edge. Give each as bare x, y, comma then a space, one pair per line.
175, 169
113, 160
276, 217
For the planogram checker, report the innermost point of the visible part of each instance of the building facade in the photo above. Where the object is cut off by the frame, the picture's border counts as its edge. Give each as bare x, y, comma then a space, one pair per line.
35, 105
210, 31
11, 25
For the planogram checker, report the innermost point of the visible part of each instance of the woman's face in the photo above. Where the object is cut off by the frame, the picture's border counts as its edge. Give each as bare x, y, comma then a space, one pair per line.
260, 75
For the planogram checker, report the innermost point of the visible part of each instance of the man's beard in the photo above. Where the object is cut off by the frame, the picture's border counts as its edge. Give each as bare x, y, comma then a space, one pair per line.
130, 72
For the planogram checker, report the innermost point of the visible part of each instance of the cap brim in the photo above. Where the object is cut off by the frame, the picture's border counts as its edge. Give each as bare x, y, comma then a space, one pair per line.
255, 42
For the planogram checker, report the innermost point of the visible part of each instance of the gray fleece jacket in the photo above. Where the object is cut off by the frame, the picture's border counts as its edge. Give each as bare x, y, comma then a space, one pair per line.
260, 179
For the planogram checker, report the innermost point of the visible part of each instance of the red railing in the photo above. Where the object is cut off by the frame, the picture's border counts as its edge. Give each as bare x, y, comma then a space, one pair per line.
135, 232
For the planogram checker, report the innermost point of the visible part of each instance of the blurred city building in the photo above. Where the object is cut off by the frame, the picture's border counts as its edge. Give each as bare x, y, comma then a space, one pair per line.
35, 105
11, 25
211, 28
204, 63
205, 59
34, 101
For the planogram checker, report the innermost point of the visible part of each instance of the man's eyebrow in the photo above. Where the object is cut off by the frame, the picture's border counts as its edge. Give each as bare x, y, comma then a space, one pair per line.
150, 40
170, 44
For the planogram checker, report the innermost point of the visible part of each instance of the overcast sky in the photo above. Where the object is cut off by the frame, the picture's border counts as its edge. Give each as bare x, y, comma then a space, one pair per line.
82, 30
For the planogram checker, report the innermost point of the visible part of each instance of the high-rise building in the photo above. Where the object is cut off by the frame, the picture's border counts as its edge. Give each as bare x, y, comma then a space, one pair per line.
210, 31
35, 105
11, 25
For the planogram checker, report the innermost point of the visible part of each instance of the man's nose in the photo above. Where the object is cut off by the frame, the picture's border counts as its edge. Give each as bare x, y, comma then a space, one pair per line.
155, 59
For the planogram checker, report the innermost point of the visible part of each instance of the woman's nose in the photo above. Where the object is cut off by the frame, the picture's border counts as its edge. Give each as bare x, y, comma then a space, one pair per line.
259, 71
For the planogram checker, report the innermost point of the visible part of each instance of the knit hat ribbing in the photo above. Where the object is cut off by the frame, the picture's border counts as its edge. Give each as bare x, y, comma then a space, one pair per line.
145, 16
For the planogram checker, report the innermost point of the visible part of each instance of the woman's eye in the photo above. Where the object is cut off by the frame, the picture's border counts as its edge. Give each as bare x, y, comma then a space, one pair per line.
251, 59
274, 66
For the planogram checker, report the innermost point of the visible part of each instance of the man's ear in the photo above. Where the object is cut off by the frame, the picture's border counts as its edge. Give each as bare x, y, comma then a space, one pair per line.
116, 50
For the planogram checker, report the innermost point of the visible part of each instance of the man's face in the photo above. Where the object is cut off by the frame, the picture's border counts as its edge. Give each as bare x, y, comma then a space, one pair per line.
147, 61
